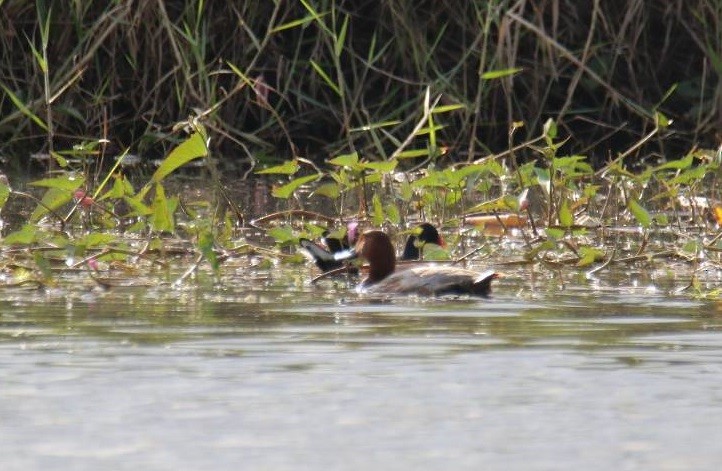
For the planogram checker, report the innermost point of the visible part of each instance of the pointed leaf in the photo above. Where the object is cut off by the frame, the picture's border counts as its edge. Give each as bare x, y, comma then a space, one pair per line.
495, 74
162, 218
640, 214
52, 200
345, 160
287, 190
287, 168
68, 183
192, 148
4, 194
566, 219
25, 236
24, 109
384, 167
378, 210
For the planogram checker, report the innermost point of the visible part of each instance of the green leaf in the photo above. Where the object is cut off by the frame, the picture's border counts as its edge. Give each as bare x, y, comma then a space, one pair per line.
679, 164
661, 120
43, 265
378, 210
97, 239
554, 233
550, 130
566, 218
448, 108
329, 190
139, 208
67, 183
431, 129
589, 255
162, 218
52, 200
338, 45
292, 24
543, 178
495, 74
287, 168
287, 190
192, 148
4, 194
435, 252
383, 167
640, 214
345, 160
412, 153
24, 109
121, 187
326, 78
205, 244
504, 203
282, 235
25, 236
392, 213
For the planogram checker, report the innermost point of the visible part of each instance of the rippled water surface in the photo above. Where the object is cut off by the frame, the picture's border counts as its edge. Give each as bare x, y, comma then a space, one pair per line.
286, 376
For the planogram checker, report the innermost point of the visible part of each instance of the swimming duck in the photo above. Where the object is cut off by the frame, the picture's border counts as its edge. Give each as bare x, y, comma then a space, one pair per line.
324, 258
424, 233
376, 247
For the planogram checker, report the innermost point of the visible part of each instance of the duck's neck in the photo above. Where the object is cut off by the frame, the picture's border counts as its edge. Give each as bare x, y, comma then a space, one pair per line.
378, 272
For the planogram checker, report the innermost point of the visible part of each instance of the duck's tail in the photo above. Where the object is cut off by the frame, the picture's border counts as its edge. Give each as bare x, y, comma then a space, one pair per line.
482, 283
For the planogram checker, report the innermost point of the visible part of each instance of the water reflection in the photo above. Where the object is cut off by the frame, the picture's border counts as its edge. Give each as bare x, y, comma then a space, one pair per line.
290, 376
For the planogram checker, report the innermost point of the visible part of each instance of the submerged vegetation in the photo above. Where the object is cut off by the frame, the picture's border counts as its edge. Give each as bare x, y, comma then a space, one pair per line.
560, 138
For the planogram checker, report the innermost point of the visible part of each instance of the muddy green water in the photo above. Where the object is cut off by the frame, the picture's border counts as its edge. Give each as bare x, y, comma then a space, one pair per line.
286, 376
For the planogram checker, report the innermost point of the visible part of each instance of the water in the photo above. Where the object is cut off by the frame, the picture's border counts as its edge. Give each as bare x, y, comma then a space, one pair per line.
284, 376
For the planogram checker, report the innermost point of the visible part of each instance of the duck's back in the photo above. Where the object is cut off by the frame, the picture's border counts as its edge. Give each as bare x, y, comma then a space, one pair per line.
435, 280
